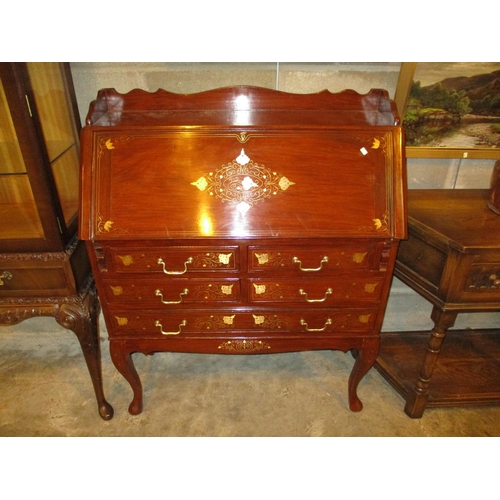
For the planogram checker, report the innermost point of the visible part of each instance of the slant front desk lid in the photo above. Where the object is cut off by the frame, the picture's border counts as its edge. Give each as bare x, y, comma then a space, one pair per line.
242, 162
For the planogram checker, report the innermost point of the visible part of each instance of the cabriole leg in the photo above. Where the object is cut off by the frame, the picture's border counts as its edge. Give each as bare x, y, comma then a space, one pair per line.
82, 318
122, 360
365, 358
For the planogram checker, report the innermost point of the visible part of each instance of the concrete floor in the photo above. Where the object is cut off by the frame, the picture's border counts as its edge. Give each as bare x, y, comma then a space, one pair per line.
46, 391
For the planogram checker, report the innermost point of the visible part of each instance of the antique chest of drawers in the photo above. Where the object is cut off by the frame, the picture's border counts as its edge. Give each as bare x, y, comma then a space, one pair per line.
242, 220
452, 259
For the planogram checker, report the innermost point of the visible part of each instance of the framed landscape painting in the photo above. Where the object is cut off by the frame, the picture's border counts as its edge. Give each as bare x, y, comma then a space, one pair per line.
450, 110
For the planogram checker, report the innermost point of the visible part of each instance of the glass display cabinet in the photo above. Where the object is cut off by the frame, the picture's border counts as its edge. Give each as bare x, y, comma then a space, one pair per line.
44, 268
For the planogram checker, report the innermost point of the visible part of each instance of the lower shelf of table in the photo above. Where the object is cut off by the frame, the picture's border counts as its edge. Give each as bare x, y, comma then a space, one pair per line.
467, 371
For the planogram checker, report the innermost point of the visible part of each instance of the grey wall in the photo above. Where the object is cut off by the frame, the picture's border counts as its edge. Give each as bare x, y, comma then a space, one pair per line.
406, 309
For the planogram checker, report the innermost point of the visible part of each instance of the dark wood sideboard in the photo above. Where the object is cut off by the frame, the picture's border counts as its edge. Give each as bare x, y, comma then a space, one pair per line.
452, 259
242, 220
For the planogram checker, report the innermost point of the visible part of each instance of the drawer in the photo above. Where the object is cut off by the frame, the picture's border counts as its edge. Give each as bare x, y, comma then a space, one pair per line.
192, 323
327, 291
171, 292
36, 278
483, 282
173, 261
360, 255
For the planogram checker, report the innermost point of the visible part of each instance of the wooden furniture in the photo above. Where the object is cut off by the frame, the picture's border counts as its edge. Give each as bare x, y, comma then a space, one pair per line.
242, 220
452, 259
44, 269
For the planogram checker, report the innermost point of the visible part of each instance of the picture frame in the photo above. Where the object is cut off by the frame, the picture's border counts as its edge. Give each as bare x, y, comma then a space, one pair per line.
450, 110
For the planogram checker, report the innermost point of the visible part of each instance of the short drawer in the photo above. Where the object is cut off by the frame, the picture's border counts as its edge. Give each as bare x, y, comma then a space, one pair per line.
483, 282
192, 323
327, 291
171, 292
304, 259
173, 261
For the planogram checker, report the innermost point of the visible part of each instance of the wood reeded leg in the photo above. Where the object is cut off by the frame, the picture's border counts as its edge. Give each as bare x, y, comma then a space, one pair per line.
82, 317
122, 360
418, 397
365, 358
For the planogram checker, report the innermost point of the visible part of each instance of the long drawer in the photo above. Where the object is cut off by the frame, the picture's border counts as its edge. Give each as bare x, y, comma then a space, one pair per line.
231, 322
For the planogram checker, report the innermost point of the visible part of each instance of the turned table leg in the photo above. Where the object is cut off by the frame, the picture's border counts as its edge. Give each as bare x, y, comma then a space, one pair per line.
82, 317
418, 397
122, 359
365, 358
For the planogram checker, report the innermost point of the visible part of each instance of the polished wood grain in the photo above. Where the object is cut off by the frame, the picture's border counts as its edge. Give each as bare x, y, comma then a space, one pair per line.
44, 268
451, 258
242, 221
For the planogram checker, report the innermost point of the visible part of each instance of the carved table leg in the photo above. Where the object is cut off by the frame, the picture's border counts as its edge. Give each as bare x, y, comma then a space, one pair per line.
365, 358
122, 360
418, 397
83, 318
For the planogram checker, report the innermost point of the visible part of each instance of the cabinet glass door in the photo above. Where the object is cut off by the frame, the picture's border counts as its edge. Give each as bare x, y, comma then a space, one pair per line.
19, 217
60, 133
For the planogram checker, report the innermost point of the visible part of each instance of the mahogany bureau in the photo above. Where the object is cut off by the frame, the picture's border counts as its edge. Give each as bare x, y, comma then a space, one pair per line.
242, 220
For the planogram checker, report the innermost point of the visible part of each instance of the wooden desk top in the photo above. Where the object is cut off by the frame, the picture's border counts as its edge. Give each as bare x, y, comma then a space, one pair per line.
459, 218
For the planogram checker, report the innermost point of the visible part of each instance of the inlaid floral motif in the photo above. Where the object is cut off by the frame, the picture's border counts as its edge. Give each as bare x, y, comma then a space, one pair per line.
243, 183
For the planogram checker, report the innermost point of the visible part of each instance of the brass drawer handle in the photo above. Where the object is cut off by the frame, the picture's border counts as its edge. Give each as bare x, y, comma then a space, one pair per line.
328, 322
324, 260
5, 276
328, 292
495, 279
162, 263
159, 325
159, 294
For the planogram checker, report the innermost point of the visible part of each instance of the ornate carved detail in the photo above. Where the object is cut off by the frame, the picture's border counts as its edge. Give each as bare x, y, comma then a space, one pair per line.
43, 256
244, 346
35, 302
17, 314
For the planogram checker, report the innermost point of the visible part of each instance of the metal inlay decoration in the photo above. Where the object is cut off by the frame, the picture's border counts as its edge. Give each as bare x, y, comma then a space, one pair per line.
244, 345
243, 183
127, 260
